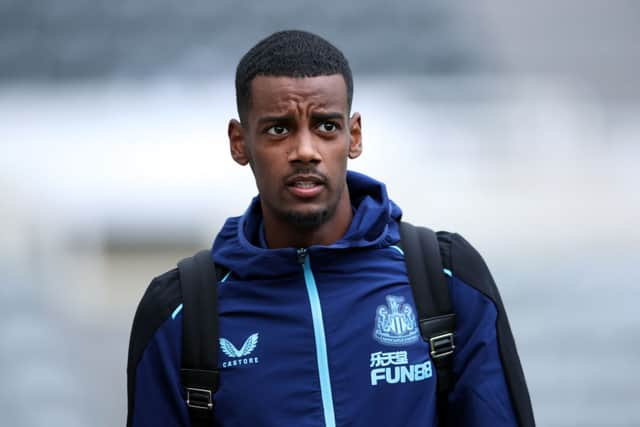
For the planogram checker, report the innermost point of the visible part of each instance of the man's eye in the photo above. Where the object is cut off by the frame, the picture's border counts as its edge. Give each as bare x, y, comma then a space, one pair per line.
277, 130
327, 127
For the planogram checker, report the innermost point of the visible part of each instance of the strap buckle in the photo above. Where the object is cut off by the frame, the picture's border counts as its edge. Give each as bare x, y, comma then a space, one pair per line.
442, 345
199, 398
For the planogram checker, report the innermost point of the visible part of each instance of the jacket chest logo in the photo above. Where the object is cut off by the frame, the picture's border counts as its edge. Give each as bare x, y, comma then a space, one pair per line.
240, 357
394, 368
395, 323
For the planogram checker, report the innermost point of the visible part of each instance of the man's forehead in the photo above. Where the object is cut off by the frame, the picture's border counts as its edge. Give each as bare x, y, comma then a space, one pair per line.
281, 93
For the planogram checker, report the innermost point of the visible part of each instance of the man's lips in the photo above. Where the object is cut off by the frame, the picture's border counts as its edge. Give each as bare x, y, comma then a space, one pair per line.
305, 186
304, 180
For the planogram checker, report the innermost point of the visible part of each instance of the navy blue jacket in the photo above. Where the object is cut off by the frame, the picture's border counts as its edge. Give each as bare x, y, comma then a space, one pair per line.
327, 335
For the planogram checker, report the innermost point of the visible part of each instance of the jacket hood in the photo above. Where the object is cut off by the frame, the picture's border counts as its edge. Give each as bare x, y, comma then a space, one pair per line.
240, 248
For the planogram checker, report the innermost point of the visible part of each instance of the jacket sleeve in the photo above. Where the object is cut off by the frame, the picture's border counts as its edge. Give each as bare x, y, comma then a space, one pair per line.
155, 396
490, 388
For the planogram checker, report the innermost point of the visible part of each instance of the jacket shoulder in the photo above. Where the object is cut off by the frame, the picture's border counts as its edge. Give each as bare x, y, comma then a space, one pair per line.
160, 299
466, 263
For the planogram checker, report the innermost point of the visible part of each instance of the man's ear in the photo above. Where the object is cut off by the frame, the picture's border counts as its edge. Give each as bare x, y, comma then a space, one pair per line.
355, 131
237, 144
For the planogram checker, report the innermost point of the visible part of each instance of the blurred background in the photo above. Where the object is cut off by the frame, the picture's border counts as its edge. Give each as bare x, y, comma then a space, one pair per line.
515, 124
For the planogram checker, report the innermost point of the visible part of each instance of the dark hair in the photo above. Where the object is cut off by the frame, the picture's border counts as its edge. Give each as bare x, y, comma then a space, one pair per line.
290, 54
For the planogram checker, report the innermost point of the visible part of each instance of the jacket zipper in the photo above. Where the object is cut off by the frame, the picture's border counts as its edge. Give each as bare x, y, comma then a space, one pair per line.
320, 339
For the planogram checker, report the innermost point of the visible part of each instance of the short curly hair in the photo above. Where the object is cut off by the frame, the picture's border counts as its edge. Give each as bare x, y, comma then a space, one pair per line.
289, 53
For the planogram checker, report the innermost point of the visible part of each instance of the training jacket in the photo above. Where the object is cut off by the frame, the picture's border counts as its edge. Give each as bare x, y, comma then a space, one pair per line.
328, 335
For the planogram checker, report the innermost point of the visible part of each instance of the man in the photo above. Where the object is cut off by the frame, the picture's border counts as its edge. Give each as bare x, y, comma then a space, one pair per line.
315, 276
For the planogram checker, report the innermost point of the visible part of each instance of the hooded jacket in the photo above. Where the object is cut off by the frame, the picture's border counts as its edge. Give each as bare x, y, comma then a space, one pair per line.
328, 335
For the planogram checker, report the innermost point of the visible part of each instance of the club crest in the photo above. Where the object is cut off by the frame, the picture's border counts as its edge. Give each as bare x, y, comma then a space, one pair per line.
395, 323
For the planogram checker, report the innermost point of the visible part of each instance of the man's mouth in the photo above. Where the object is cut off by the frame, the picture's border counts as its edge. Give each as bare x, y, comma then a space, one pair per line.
305, 186
305, 180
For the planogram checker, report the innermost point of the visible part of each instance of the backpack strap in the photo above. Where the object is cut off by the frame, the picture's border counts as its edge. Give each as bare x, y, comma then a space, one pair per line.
431, 295
199, 372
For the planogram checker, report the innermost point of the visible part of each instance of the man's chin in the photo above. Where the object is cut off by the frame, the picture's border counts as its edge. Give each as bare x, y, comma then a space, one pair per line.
312, 219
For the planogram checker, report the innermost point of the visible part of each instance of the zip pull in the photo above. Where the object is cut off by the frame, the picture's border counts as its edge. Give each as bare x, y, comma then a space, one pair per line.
302, 254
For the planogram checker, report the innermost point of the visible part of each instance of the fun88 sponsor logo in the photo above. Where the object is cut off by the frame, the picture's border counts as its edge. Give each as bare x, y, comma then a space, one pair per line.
393, 368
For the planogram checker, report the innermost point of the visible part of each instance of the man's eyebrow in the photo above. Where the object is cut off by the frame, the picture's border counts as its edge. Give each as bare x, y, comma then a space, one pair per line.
327, 116
271, 119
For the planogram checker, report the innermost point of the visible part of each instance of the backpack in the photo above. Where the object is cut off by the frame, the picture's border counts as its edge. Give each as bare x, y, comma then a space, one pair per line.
200, 375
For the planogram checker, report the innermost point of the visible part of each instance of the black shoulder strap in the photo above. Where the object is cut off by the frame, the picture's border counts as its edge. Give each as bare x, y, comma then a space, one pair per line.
431, 295
199, 373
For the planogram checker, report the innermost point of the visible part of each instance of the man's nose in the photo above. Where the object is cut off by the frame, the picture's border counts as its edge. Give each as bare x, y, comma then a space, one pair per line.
305, 148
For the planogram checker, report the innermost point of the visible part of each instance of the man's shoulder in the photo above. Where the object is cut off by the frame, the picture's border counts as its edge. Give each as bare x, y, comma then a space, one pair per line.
159, 301
161, 298
465, 262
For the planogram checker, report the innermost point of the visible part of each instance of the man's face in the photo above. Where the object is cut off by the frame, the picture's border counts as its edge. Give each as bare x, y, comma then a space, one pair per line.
297, 138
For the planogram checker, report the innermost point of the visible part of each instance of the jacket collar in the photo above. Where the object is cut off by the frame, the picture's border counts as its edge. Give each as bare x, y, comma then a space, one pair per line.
239, 247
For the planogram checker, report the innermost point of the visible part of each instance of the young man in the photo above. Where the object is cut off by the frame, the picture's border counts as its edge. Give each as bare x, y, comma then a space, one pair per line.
313, 273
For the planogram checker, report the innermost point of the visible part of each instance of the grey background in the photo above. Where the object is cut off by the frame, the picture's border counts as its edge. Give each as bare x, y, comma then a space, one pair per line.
513, 124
